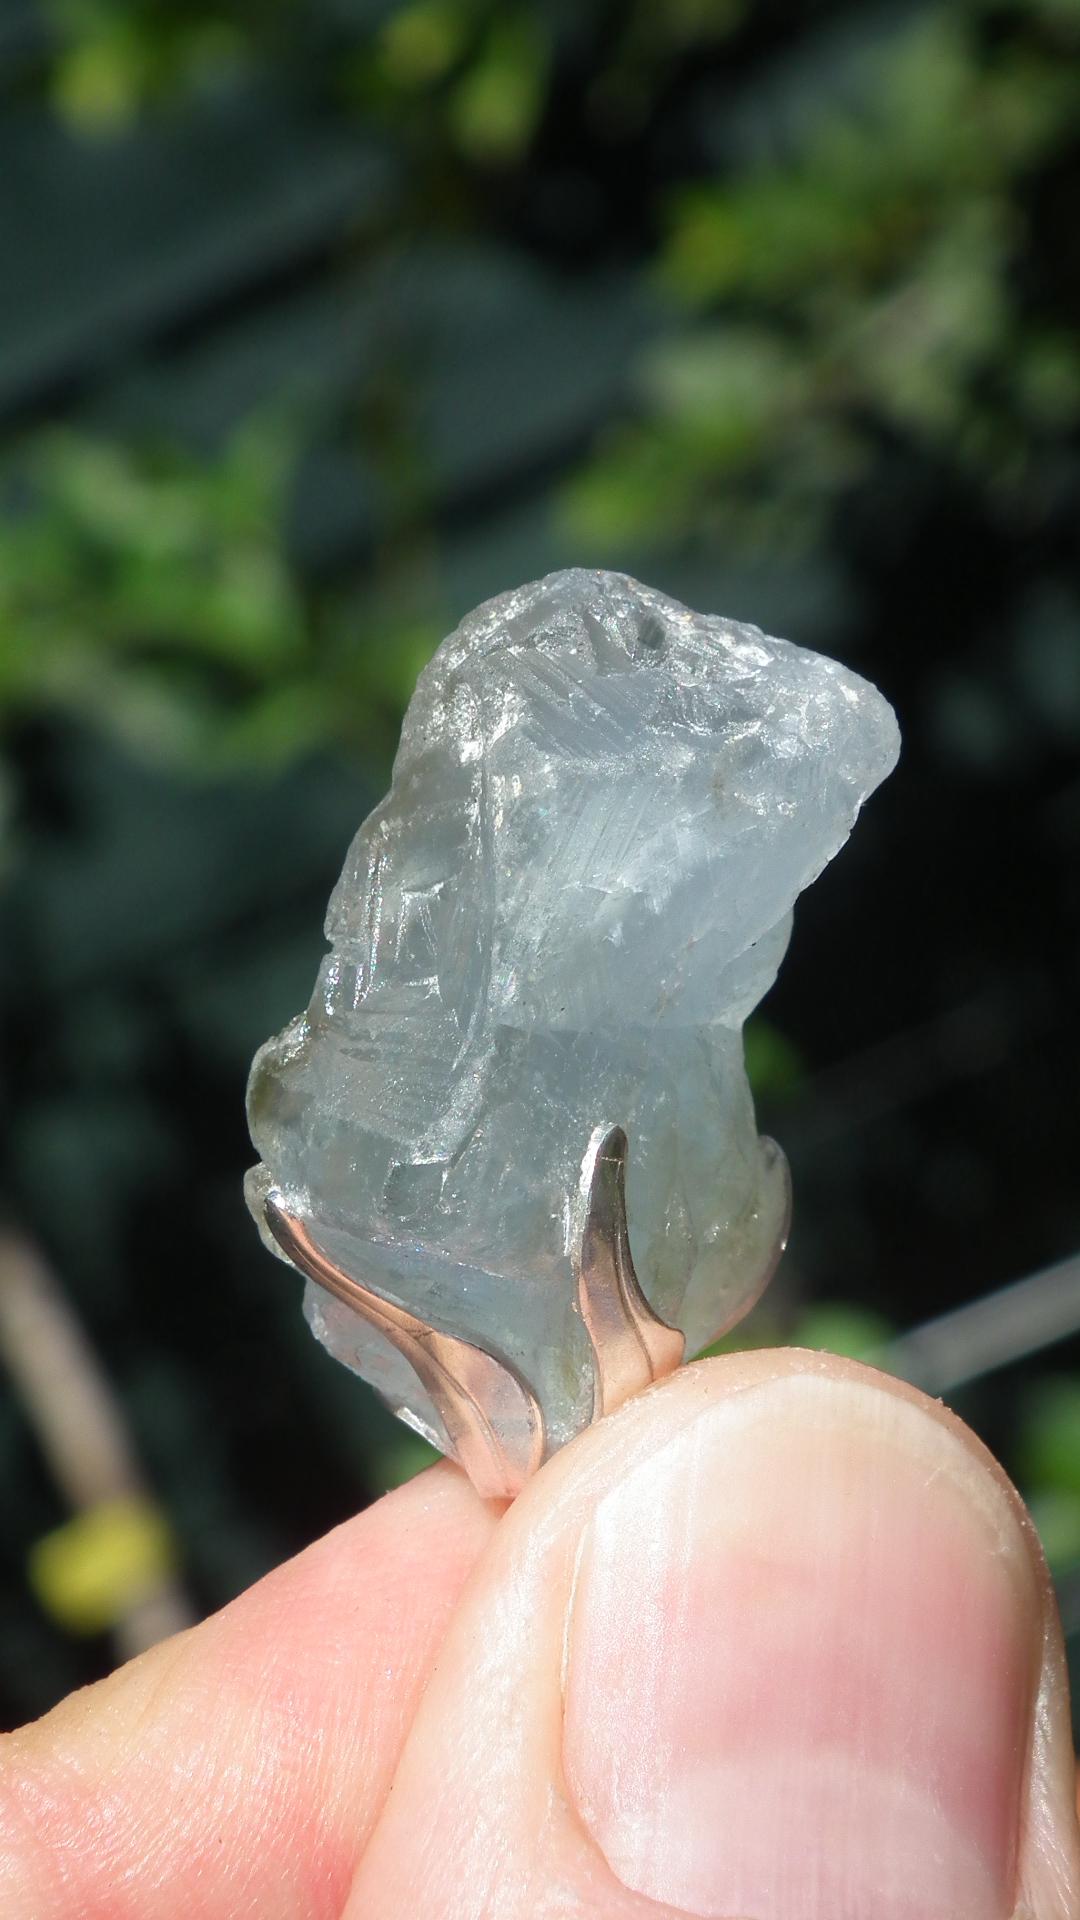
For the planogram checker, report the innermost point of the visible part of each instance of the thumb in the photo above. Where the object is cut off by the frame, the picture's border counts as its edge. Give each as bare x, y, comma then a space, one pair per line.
776, 1640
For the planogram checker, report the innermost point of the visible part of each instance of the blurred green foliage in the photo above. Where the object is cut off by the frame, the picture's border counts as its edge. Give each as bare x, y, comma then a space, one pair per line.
860, 276
320, 323
1050, 1466
150, 589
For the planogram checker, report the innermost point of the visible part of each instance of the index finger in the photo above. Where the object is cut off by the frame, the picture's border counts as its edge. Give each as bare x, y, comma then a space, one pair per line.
239, 1768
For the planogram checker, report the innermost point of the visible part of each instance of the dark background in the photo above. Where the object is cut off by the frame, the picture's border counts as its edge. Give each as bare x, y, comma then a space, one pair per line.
320, 322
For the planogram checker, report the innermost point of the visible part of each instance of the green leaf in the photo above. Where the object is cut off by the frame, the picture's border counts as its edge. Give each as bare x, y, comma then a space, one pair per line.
402, 1458
497, 103
1056, 1513
774, 1064
1050, 1437
844, 1327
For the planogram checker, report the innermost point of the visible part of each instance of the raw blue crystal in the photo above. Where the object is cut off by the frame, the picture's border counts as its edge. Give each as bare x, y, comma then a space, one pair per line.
579, 885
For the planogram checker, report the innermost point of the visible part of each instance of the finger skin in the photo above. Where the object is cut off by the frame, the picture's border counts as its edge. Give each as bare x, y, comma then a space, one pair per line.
238, 1769
483, 1823
242, 1768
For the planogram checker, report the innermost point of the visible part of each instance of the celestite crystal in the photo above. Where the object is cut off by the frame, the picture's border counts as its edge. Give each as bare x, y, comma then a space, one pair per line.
579, 885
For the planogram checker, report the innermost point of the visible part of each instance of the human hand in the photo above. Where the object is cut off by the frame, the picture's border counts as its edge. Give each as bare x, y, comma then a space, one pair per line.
774, 1642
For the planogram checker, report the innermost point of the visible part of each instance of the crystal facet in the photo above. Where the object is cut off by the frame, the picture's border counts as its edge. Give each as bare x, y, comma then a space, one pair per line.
578, 887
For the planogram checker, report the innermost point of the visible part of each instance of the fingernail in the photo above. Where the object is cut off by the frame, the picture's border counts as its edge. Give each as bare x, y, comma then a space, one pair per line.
801, 1665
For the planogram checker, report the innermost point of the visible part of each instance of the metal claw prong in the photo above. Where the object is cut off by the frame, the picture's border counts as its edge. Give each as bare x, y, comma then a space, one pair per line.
491, 1417
631, 1345
493, 1420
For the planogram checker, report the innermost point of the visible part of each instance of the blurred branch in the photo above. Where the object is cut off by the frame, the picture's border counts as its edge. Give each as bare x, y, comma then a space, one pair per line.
1016, 1321
963, 1042
77, 1419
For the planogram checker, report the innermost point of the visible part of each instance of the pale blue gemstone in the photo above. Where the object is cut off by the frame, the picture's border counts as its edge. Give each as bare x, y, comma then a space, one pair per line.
580, 884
